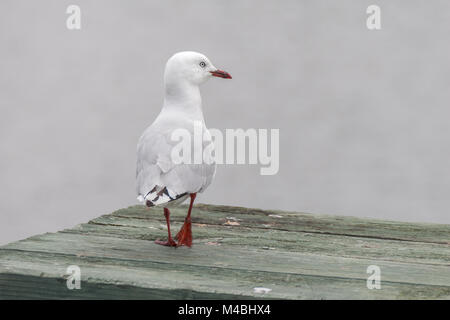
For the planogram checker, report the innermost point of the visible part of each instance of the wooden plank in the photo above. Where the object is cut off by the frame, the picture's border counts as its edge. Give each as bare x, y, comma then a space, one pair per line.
18, 287
272, 239
302, 222
233, 257
296, 255
186, 283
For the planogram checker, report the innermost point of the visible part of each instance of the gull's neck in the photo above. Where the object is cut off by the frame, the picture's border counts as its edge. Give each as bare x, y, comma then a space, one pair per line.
183, 97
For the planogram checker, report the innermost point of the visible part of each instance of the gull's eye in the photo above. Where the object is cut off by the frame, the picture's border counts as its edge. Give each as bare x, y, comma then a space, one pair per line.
202, 64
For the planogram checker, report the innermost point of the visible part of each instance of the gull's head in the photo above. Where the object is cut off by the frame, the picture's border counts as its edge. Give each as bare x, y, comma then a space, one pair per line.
193, 67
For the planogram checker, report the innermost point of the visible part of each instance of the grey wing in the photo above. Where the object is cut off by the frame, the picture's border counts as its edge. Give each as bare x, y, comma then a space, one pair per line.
159, 179
152, 161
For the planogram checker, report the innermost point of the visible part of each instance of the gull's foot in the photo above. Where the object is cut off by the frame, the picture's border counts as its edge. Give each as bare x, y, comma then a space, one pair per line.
184, 236
168, 243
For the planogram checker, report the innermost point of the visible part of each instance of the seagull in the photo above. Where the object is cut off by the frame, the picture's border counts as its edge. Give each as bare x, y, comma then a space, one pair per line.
160, 180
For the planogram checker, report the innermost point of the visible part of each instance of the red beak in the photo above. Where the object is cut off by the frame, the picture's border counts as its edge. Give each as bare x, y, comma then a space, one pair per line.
221, 74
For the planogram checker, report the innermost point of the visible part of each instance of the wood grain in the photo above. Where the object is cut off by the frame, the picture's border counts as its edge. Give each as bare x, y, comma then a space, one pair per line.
297, 255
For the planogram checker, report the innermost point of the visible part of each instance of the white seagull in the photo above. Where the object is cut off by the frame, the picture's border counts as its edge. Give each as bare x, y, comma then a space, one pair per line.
161, 181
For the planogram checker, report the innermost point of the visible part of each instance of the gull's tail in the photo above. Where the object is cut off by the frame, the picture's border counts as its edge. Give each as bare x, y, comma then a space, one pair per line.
161, 195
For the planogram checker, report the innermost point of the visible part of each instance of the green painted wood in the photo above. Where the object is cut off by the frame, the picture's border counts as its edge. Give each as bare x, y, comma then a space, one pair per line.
297, 255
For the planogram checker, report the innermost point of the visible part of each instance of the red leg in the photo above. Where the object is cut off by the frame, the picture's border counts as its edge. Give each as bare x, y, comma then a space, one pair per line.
170, 242
184, 236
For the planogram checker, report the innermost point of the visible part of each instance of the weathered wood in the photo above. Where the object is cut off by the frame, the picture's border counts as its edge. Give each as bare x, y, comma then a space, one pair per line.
297, 255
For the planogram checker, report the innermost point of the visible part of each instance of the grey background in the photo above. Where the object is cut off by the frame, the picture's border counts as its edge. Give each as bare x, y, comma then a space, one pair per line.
363, 115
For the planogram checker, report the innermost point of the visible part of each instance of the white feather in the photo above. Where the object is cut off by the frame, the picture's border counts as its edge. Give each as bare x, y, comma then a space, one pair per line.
156, 171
